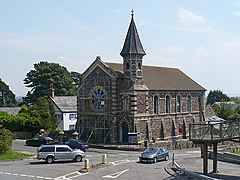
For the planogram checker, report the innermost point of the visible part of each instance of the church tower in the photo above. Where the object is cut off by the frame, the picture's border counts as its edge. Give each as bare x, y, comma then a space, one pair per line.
132, 53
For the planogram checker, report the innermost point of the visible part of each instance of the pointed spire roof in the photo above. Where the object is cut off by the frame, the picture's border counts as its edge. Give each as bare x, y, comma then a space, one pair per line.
132, 44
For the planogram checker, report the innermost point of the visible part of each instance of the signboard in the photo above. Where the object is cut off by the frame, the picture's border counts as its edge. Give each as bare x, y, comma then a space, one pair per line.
132, 138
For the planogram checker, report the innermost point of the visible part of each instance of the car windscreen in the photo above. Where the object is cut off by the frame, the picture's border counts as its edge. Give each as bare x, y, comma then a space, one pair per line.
151, 150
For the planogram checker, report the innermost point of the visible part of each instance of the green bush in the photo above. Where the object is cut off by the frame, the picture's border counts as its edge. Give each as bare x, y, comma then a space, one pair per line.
5, 140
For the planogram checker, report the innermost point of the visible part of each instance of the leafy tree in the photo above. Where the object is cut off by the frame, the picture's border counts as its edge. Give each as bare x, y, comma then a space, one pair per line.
235, 99
43, 75
7, 98
32, 118
5, 140
223, 110
216, 96
77, 77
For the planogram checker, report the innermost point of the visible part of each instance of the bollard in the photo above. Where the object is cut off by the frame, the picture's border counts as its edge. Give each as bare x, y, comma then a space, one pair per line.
86, 164
104, 159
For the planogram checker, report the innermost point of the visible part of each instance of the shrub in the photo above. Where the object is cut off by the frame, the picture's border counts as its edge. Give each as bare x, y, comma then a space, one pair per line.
5, 140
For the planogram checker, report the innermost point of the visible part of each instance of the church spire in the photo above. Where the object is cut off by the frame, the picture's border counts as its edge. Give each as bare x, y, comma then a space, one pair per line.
132, 44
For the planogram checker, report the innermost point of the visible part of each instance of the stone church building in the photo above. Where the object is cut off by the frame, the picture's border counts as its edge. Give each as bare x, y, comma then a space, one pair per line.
115, 100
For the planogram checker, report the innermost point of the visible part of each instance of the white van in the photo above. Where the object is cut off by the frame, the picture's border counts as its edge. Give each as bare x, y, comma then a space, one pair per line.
50, 153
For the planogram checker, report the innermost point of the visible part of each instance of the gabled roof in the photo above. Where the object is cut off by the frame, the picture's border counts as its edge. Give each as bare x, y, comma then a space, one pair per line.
10, 110
163, 78
66, 103
132, 44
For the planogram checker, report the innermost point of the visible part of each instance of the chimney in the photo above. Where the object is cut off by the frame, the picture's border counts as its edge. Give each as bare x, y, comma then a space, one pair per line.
51, 91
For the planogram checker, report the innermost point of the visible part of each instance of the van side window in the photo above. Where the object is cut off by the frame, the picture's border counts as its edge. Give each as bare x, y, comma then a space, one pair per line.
47, 149
62, 149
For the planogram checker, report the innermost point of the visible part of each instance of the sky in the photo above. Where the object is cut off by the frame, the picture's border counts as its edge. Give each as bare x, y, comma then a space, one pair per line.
200, 37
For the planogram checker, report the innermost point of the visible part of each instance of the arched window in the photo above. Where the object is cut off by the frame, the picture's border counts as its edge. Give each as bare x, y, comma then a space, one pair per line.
167, 104
189, 103
139, 65
127, 65
178, 104
155, 99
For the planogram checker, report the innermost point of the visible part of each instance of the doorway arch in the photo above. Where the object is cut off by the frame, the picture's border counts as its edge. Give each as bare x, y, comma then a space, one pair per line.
124, 132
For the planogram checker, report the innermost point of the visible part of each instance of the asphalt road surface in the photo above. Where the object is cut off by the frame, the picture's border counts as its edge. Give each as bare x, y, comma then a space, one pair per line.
121, 165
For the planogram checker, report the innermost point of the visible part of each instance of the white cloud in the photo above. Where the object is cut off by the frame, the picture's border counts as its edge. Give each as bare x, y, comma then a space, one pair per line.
237, 13
187, 17
32, 42
201, 52
229, 48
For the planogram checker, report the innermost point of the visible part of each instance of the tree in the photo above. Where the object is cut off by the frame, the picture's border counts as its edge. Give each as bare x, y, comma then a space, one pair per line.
223, 110
216, 96
43, 75
7, 97
6, 140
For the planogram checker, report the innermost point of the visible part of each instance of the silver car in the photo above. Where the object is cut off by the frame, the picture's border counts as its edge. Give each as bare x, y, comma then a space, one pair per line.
50, 153
154, 155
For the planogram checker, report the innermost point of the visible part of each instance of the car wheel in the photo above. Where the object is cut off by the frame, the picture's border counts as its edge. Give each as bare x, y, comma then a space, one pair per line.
78, 158
49, 159
166, 158
155, 160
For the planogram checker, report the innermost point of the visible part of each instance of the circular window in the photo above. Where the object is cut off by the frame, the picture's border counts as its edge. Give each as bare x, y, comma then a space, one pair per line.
98, 98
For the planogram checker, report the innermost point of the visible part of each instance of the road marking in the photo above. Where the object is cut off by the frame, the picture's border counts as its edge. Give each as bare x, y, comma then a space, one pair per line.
115, 175
115, 163
71, 175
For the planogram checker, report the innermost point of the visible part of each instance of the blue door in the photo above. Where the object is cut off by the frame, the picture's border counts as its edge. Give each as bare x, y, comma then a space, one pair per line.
125, 132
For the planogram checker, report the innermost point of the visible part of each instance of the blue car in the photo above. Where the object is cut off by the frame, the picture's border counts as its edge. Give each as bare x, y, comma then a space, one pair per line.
154, 154
77, 144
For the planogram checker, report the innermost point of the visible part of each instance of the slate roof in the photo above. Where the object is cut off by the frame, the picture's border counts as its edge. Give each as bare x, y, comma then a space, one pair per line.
163, 78
10, 110
132, 44
66, 103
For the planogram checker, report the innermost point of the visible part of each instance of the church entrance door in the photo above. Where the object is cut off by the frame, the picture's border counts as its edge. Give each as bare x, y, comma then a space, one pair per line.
124, 132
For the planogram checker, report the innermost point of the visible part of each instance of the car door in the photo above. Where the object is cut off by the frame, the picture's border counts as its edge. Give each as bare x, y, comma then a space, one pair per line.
63, 153
160, 154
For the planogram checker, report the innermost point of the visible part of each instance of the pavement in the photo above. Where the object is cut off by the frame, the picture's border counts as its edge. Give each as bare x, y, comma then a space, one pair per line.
192, 168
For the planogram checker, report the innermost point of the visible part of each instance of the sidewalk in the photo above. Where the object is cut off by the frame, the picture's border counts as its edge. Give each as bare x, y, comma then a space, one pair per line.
192, 169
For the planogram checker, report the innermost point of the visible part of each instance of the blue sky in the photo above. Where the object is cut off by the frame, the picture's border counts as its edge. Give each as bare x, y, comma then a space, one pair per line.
200, 37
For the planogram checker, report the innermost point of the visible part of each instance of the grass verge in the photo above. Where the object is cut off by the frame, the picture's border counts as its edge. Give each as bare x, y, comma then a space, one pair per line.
12, 155
237, 153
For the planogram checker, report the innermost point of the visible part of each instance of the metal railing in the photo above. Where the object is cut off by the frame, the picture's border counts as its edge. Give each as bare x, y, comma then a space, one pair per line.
218, 131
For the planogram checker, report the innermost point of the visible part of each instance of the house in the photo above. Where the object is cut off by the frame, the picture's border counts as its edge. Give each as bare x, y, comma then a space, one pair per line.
116, 100
10, 110
65, 110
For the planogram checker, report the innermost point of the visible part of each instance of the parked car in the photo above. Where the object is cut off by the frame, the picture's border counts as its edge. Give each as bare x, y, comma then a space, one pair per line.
38, 141
51, 153
77, 144
154, 155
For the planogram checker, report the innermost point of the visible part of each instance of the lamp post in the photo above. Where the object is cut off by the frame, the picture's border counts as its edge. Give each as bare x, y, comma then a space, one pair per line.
61, 134
75, 134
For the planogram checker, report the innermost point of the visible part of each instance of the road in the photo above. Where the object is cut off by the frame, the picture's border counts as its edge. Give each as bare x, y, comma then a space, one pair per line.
121, 165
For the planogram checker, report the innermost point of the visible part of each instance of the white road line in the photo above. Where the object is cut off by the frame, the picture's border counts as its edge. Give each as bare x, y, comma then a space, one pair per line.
23, 175
40, 177
115, 163
115, 175
71, 175
15, 174
31, 176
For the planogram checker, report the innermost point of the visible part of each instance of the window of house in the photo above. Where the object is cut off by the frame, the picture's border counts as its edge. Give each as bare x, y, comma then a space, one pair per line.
178, 103
72, 116
71, 127
155, 99
189, 103
167, 104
